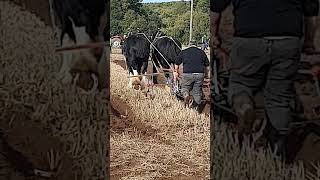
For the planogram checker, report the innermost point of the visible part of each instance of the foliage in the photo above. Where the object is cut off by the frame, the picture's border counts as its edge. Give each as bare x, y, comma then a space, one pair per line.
172, 17
130, 15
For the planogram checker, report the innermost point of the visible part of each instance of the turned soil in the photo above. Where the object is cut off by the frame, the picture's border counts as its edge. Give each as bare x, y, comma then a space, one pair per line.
26, 145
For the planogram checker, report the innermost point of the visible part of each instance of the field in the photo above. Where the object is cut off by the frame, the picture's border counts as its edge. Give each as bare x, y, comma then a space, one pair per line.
154, 139
52, 126
229, 162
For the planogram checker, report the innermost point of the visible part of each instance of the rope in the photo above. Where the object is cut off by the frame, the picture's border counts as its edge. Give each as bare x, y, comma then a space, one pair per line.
155, 64
156, 39
158, 62
175, 43
176, 85
158, 51
82, 46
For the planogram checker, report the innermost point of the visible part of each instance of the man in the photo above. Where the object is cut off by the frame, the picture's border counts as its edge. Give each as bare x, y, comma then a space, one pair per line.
204, 42
195, 69
129, 32
265, 55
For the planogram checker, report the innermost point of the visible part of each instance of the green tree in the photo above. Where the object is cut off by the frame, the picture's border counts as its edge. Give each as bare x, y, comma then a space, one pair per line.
200, 25
173, 18
129, 15
129, 21
116, 17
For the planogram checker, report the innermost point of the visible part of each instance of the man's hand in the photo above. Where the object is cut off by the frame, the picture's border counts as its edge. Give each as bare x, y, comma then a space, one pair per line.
175, 75
176, 72
206, 76
206, 73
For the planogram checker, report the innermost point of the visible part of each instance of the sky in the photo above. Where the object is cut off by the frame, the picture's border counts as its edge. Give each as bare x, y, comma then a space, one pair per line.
157, 1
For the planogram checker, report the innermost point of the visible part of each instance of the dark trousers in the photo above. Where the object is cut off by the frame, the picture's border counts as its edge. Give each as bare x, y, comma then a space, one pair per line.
268, 64
194, 82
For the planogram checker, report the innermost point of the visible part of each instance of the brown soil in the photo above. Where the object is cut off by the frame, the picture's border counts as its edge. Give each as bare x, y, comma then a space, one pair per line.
120, 63
123, 119
25, 144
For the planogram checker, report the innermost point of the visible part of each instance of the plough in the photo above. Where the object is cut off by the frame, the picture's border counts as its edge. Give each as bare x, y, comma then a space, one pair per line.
174, 86
82, 46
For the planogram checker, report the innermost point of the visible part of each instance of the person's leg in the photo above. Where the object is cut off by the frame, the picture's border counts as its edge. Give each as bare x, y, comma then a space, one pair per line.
249, 64
280, 91
197, 88
186, 84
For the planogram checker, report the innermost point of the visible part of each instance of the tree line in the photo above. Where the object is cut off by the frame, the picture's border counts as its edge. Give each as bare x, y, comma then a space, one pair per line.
173, 18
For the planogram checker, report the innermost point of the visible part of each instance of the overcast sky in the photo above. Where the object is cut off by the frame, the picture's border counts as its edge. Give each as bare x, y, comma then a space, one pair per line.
158, 1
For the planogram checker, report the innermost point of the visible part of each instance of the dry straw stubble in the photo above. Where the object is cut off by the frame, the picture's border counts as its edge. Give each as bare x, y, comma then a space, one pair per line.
180, 146
28, 69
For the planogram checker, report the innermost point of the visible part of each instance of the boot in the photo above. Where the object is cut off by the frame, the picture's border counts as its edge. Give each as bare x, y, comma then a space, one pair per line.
242, 104
196, 107
246, 117
188, 101
277, 141
279, 147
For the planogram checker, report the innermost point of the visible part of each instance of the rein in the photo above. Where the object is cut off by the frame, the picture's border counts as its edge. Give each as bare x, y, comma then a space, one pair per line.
82, 46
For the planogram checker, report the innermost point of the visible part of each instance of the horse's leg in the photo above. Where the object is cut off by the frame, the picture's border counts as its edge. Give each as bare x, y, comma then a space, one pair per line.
154, 68
144, 72
130, 71
64, 72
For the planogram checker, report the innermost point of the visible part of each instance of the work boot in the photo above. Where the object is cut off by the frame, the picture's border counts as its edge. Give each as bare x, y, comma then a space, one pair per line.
188, 101
196, 107
246, 117
243, 106
277, 141
278, 148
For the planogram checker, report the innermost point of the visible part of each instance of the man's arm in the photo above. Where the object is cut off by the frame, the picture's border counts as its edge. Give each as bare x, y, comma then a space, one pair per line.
176, 68
206, 66
216, 8
311, 8
177, 64
214, 23
311, 11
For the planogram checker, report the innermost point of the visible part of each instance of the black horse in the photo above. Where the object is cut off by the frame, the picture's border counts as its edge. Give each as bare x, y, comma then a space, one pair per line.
136, 49
165, 51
